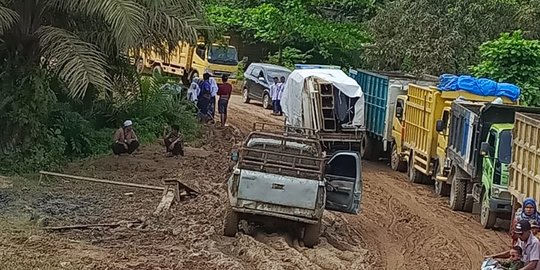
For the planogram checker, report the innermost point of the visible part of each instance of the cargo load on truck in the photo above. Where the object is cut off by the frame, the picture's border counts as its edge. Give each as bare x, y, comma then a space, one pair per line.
328, 102
525, 165
478, 155
383, 92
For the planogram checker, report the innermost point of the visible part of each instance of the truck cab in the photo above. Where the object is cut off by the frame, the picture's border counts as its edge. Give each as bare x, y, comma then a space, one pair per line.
217, 60
493, 192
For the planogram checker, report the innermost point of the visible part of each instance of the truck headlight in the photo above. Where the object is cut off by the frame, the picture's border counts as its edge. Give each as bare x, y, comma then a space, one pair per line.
209, 71
233, 75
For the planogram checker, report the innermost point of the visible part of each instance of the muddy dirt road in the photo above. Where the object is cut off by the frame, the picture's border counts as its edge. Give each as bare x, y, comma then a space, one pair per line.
405, 226
401, 226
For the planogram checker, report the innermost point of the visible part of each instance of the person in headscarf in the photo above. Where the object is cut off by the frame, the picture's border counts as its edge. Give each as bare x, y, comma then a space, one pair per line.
194, 90
527, 212
204, 98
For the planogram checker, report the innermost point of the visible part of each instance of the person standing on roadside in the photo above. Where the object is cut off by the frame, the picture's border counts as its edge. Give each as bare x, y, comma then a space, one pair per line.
125, 140
213, 93
281, 87
204, 98
274, 92
529, 244
224, 92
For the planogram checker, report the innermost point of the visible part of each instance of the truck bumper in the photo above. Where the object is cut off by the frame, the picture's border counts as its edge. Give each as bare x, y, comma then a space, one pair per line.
500, 205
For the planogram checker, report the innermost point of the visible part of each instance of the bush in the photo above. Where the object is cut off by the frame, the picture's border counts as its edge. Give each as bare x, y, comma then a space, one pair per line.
62, 131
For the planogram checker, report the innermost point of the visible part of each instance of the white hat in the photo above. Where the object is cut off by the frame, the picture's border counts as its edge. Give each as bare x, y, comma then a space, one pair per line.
128, 123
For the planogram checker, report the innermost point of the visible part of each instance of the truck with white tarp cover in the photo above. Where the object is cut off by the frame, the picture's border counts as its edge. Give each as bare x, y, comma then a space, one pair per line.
327, 102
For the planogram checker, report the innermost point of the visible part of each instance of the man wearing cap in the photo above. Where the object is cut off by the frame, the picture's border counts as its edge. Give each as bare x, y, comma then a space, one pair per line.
528, 243
125, 140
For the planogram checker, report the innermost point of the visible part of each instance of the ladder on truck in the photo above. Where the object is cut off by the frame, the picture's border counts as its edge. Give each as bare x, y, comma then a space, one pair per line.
327, 102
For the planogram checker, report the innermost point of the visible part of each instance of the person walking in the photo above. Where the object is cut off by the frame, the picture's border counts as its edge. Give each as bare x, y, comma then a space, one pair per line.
125, 140
224, 92
204, 98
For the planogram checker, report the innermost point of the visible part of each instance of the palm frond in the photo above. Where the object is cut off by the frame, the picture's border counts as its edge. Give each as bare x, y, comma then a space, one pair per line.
8, 18
126, 18
77, 63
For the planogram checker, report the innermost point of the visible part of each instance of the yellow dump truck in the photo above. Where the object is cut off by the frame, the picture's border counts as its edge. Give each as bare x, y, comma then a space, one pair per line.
421, 132
188, 61
525, 165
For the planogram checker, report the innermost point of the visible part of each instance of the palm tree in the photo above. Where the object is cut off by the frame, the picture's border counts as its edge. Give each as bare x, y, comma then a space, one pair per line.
78, 39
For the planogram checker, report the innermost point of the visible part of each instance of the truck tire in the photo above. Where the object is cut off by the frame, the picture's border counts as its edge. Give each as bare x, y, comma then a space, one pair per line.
395, 160
230, 224
488, 218
442, 188
415, 176
267, 102
458, 192
312, 232
367, 148
157, 70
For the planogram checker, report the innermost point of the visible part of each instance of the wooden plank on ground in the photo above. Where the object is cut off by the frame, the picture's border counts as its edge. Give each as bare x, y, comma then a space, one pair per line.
165, 203
90, 179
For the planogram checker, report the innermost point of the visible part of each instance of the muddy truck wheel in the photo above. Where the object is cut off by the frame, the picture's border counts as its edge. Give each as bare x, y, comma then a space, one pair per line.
312, 232
458, 192
367, 149
488, 218
415, 176
395, 160
230, 224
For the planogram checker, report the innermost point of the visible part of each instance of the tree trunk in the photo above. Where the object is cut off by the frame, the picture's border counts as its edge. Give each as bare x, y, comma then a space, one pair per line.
280, 57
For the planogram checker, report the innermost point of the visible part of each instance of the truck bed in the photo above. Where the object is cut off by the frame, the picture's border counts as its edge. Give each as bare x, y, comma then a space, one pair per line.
525, 167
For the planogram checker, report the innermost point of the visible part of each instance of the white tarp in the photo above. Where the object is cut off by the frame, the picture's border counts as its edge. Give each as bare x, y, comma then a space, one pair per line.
297, 95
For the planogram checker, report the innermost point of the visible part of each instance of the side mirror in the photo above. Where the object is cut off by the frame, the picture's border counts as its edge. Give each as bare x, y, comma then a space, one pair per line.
399, 112
234, 155
484, 148
439, 126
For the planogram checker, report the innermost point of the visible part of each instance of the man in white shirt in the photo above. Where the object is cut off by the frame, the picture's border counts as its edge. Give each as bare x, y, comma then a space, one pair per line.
528, 243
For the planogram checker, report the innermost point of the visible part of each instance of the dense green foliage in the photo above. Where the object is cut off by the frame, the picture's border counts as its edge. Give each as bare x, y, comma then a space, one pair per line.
513, 59
293, 23
65, 84
436, 36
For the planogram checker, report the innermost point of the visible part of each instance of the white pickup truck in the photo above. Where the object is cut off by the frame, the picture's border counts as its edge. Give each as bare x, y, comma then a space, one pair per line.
281, 175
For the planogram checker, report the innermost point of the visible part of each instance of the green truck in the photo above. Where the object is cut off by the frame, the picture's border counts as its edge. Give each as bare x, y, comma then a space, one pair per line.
478, 155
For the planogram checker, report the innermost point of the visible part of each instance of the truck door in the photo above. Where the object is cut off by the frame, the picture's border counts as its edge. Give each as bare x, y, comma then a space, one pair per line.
343, 180
488, 163
398, 121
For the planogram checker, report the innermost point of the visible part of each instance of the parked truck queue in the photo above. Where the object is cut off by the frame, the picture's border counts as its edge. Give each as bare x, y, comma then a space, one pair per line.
456, 140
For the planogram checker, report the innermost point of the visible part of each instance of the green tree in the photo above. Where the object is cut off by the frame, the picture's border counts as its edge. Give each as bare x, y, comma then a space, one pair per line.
436, 36
512, 59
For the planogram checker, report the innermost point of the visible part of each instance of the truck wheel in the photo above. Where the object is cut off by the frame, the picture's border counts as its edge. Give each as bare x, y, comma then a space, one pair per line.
230, 224
157, 70
442, 188
245, 94
368, 149
415, 176
487, 217
395, 160
312, 232
458, 192
267, 103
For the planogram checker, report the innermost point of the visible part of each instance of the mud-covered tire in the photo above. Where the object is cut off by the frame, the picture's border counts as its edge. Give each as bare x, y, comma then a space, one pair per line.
415, 176
312, 232
267, 102
442, 188
458, 192
230, 224
487, 218
245, 95
395, 160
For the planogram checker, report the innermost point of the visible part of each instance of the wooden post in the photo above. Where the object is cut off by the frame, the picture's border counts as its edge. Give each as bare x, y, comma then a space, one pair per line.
89, 179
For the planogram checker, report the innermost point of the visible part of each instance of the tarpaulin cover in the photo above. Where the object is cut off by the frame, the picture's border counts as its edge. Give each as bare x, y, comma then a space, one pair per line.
296, 95
481, 87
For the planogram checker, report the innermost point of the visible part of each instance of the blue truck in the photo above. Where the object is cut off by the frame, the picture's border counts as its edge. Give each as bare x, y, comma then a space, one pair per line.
385, 94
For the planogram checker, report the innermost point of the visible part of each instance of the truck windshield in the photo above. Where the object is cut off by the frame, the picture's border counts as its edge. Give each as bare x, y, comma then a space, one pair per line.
226, 55
505, 146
